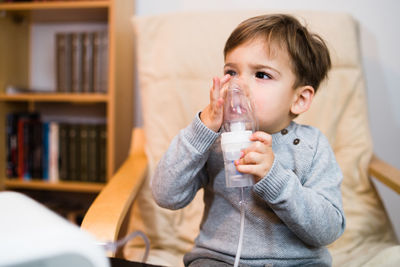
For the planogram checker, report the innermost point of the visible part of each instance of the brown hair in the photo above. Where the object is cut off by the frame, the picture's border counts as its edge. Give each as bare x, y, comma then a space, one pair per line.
309, 53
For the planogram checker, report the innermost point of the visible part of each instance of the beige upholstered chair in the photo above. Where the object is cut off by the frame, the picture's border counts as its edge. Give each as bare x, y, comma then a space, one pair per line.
178, 55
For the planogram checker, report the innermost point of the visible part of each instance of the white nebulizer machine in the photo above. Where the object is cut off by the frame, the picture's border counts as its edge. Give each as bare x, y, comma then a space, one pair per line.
238, 125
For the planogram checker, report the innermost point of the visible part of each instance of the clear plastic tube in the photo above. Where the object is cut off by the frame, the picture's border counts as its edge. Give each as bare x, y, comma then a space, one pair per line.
113, 246
240, 243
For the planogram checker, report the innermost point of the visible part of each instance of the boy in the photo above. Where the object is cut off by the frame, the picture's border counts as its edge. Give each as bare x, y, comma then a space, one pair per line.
294, 209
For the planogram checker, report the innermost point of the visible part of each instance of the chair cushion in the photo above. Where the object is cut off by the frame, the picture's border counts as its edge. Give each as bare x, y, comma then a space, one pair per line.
178, 54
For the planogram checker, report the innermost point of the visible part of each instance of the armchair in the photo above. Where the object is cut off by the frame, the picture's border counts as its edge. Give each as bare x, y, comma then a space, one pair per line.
178, 54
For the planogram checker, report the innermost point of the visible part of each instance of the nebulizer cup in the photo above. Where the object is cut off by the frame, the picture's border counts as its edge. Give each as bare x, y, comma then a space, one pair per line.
238, 125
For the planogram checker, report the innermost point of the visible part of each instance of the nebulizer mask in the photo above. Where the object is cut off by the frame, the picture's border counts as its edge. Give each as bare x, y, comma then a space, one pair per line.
238, 125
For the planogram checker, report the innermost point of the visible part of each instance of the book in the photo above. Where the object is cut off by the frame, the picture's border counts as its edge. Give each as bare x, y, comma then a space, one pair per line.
102, 153
84, 152
100, 61
104, 62
12, 145
68, 63
76, 62
73, 152
93, 138
63, 62
63, 152
97, 61
36, 149
45, 150
60, 62
25, 144
87, 62
26, 164
54, 144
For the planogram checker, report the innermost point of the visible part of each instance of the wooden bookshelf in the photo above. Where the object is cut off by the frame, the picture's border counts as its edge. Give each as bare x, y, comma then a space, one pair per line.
55, 5
56, 97
59, 186
16, 21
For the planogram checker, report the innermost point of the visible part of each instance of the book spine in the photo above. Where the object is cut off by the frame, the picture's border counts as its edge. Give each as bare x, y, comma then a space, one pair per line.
45, 150
36, 149
76, 62
63, 152
26, 150
96, 62
84, 152
88, 62
102, 143
54, 152
73, 153
64, 62
60, 62
24, 140
93, 153
12, 145
104, 61
68, 62
21, 162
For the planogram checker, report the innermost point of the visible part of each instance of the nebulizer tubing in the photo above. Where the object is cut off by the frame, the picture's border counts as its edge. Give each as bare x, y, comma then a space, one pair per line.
113, 246
240, 242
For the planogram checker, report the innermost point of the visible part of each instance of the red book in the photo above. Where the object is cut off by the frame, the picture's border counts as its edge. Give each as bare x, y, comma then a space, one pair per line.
23, 141
21, 147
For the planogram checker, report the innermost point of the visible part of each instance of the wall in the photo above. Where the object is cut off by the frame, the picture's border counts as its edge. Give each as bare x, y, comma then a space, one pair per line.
380, 41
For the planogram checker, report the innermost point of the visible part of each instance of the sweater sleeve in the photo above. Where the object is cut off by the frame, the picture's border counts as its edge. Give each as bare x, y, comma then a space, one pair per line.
181, 171
312, 210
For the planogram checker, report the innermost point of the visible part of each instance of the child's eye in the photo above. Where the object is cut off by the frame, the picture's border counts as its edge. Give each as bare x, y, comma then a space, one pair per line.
263, 75
230, 72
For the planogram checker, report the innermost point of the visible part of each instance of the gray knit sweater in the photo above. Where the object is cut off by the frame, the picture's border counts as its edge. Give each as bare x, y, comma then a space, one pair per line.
291, 214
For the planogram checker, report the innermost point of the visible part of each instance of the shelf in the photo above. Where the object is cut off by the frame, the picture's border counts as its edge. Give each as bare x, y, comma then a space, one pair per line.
55, 97
58, 11
58, 186
54, 5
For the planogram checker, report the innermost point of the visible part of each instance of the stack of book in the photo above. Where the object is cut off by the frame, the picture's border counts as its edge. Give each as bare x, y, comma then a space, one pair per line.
53, 150
82, 62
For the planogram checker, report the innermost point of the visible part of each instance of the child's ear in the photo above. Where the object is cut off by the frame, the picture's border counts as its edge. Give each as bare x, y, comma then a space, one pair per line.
303, 98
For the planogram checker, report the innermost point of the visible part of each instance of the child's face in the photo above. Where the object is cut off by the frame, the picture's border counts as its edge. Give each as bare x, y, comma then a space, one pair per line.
268, 76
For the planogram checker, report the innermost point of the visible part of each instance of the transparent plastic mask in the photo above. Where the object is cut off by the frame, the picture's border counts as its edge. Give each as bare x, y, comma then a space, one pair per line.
238, 125
238, 109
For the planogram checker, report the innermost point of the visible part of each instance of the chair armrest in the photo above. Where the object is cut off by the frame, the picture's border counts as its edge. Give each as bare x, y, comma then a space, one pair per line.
385, 173
106, 214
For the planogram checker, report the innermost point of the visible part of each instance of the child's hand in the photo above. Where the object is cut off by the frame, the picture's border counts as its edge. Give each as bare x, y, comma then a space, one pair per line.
257, 159
212, 115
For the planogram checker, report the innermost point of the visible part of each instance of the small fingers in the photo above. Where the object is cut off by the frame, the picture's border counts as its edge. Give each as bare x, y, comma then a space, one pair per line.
225, 79
224, 85
262, 137
257, 146
216, 92
257, 170
249, 158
